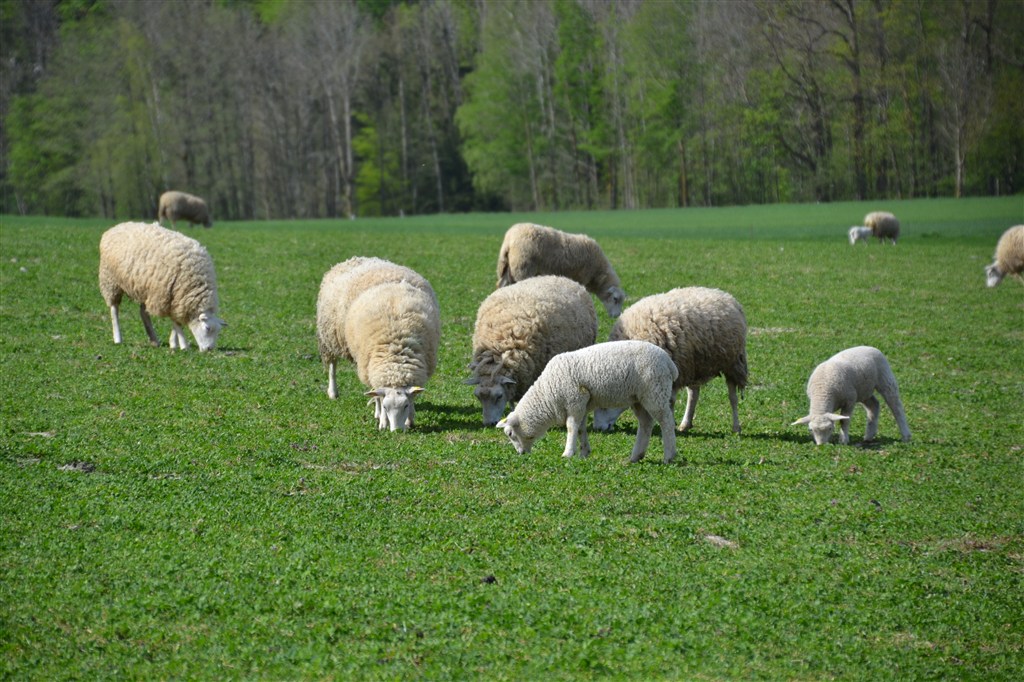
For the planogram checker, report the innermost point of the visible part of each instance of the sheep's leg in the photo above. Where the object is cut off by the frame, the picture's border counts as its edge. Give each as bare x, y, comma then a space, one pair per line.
382, 414
668, 434
692, 395
872, 408
332, 382
584, 440
572, 434
844, 426
116, 322
148, 324
178, 339
892, 399
734, 402
644, 431
411, 419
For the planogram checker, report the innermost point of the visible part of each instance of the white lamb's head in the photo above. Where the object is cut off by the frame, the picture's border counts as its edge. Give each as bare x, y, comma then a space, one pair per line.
613, 298
393, 407
821, 425
494, 393
513, 428
859, 233
605, 417
993, 275
205, 329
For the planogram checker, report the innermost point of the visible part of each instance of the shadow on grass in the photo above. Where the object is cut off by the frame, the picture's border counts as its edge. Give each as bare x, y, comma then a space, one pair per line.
451, 417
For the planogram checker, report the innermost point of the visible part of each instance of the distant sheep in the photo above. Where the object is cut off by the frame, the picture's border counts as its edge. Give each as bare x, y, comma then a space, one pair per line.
859, 234
176, 206
849, 377
704, 331
385, 318
168, 274
883, 225
1009, 257
519, 328
530, 250
632, 373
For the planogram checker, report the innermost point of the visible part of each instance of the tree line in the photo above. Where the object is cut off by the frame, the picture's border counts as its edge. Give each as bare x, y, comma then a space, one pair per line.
338, 108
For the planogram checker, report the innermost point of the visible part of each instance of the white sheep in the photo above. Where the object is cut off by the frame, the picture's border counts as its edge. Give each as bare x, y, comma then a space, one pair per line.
519, 328
859, 233
1009, 257
385, 318
704, 331
883, 225
168, 274
849, 377
636, 374
529, 250
176, 206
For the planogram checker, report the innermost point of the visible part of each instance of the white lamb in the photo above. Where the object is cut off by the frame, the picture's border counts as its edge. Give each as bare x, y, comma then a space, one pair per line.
1009, 257
883, 225
168, 274
704, 331
519, 328
530, 250
849, 377
385, 318
176, 206
636, 374
859, 234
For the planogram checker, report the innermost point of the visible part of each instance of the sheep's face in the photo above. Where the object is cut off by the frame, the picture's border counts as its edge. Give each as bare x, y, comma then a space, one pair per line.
393, 407
205, 329
513, 429
613, 298
992, 275
821, 426
604, 417
493, 397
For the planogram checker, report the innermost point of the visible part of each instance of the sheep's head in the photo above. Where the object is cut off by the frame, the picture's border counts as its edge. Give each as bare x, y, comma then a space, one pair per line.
993, 275
604, 417
494, 393
821, 425
393, 407
613, 298
205, 329
513, 429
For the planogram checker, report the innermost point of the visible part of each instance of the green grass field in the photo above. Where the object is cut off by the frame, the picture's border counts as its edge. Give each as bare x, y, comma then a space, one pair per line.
216, 516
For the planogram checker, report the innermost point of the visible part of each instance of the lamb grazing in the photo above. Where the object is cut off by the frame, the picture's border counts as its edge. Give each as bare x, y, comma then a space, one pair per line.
519, 328
176, 206
168, 274
849, 377
1009, 257
530, 250
385, 318
883, 225
636, 374
859, 234
704, 331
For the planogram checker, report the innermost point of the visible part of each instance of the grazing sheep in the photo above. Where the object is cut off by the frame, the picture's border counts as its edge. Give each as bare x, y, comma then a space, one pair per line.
530, 250
176, 206
1009, 257
632, 373
703, 330
385, 318
168, 274
519, 328
859, 234
883, 225
849, 377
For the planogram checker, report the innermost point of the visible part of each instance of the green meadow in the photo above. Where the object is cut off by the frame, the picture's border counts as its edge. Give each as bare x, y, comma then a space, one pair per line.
186, 515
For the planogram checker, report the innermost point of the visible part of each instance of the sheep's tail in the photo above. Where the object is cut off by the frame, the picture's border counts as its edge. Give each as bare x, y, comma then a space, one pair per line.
504, 269
739, 373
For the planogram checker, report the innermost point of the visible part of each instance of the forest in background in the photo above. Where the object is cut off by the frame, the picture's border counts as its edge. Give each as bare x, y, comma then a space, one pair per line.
303, 109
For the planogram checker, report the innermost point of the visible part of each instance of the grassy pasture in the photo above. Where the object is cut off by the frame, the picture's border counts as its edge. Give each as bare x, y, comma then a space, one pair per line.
187, 515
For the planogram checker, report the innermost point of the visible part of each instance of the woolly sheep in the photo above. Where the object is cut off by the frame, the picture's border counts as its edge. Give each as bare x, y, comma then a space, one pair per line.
385, 318
1009, 257
704, 331
849, 377
530, 250
859, 234
632, 373
519, 328
168, 274
176, 206
883, 225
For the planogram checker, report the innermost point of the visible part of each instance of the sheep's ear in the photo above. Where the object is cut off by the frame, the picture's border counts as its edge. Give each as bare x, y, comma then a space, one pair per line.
802, 420
504, 381
501, 424
376, 392
837, 417
472, 381
416, 390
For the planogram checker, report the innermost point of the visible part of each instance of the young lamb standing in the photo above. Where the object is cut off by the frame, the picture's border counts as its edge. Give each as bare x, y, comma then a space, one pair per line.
168, 274
519, 328
385, 318
849, 377
704, 331
883, 225
530, 250
176, 206
859, 234
635, 374
1009, 257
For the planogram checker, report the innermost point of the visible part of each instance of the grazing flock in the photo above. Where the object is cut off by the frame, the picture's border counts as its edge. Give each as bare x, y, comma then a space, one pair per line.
535, 338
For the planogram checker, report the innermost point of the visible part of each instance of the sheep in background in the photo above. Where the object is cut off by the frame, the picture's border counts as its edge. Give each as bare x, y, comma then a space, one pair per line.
859, 234
1009, 257
385, 318
704, 331
176, 206
519, 328
168, 274
529, 250
883, 225
636, 374
849, 377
